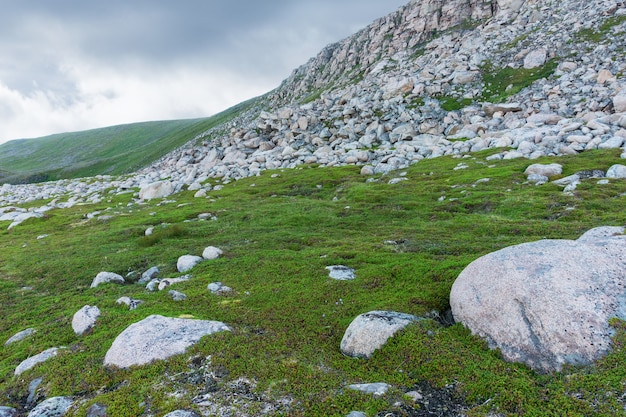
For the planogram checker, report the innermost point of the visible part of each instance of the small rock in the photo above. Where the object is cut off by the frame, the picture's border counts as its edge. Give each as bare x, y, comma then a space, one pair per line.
97, 410
106, 277
8, 412
377, 388
29, 363
187, 262
547, 170
619, 102
211, 252
20, 336
535, 58
218, 288
616, 171
84, 319
130, 302
52, 407
341, 272
181, 413
148, 275
177, 295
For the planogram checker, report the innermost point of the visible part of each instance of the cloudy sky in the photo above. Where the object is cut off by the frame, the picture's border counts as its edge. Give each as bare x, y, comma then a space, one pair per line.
68, 65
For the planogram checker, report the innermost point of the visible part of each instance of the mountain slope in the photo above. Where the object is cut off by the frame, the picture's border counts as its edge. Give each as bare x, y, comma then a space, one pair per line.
111, 150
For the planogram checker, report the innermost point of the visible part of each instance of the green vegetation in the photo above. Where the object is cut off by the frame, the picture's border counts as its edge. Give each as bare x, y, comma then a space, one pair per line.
505, 82
449, 103
597, 36
111, 150
288, 317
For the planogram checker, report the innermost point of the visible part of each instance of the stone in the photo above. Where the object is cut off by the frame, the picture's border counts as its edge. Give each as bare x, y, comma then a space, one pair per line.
616, 171
619, 102
211, 252
377, 388
164, 283
130, 302
504, 108
107, 277
177, 295
546, 303
612, 143
218, 288
356, 414
159, 189
181, 413
97, 410
156, 338
29, 363
52, 407
187, 262
370, 331
547, 170
7, 412
32, 391
535, 58
85, 319
341, 272
20, 336
148, 275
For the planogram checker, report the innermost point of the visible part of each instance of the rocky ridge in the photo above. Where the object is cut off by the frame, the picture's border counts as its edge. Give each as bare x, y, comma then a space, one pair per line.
420, 92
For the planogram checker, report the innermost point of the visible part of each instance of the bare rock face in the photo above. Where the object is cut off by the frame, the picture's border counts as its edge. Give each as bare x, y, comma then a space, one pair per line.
370, 331
546, 303
157, 337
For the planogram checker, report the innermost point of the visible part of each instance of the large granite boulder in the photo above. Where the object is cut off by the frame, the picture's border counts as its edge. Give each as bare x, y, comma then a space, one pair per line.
158, 189
157, 337
84, 319
370, 331
546, 303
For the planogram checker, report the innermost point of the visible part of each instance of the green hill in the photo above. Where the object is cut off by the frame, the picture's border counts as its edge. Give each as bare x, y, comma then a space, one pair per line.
111, 150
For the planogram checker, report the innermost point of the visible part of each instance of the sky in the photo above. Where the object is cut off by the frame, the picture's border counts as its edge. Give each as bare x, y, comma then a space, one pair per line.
70, 65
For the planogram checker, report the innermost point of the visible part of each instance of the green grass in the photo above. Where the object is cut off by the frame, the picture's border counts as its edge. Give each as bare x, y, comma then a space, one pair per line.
288, 317
110, 150
505, 82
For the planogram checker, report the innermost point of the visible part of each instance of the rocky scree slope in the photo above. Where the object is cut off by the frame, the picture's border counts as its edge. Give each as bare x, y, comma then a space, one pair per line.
434, 78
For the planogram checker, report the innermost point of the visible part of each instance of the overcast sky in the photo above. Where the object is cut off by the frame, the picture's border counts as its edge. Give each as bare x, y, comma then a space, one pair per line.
68, 65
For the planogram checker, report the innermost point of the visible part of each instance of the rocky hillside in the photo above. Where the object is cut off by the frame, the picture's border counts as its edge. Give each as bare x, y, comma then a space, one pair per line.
400, 157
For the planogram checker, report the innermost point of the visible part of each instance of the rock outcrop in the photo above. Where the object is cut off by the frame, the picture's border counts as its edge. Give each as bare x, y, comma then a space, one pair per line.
546, 303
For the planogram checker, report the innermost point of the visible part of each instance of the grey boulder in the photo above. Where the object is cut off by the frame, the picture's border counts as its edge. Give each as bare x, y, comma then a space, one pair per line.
546, 303
20, 336
156, 338
84, 319
52, 407
105, 278
29, 363
187, 262
158, 189
370, 331
8, 412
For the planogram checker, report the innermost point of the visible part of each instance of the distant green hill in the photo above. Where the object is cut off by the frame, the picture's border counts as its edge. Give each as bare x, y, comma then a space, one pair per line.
111, 150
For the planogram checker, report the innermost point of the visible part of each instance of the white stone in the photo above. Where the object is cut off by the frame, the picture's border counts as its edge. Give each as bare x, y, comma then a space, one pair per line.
107, 277
211, 252
187, 262
159, 189
377, 388
535, 58
612, 143
29, 363
218, 288
370, 331
616, 171
548, 170
546, 303
341, 272
156, 338
84, 319
20, 336
619, 102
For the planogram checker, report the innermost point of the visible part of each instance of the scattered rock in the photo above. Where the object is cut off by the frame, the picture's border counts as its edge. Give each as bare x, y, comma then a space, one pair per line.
149, 275
107, 277
370, 331
546, 303
219, 289
97, 410
377, 388
8, 412
20, 336
52, 407
187, 262
547, 170
341, 272
157, 337
535, 58
37, 359
84, 319
159, 189
619, 102
616, 171
130, 302
177, 295
211, 252
181, 413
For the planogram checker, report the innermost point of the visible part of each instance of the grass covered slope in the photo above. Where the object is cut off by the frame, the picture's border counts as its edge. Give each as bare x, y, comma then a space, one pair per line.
279, 233
110, 150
